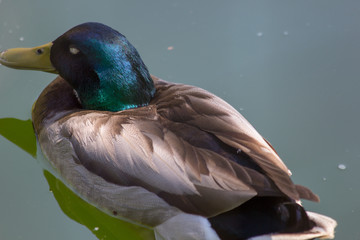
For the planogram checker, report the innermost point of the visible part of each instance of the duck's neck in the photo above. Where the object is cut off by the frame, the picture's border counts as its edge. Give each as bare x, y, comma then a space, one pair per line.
120, 81
117, 90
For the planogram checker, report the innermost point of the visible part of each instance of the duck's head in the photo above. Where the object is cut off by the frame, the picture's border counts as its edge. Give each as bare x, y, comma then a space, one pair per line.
101, 65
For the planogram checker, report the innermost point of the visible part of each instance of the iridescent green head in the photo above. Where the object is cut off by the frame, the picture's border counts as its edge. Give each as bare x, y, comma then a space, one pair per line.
100, 64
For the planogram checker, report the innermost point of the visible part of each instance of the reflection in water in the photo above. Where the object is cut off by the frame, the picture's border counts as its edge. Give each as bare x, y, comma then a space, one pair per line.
21, 133
101, 224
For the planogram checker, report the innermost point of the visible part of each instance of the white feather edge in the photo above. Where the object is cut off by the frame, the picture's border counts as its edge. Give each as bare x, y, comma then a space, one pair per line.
324, 229
185, 226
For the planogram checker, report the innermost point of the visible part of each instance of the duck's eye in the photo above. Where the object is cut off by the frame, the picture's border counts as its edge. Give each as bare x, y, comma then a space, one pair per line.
74, 50
39, 51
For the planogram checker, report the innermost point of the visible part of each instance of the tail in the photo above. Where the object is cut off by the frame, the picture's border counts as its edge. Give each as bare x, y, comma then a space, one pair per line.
272, 218
323, 229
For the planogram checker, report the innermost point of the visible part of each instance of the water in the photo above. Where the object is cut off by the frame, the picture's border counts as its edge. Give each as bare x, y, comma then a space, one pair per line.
297, 84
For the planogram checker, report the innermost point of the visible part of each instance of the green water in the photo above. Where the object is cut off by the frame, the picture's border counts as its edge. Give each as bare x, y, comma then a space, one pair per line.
290, 67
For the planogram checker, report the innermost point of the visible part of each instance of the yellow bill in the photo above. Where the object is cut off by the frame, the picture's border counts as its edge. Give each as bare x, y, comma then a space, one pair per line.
37, 58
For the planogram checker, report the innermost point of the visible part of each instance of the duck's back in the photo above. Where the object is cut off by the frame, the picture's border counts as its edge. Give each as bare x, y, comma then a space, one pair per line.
187, 151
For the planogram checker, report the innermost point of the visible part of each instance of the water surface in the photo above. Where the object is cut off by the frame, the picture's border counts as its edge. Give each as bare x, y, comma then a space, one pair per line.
291, 68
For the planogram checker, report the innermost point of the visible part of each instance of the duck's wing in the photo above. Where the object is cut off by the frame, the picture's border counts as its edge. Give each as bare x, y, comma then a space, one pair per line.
203, 110
184, 165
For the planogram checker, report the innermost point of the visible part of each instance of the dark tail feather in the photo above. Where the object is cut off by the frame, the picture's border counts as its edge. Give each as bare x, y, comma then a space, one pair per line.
306, 193
259, 216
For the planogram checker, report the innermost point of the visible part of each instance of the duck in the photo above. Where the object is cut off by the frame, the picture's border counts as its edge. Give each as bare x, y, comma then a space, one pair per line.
171, 157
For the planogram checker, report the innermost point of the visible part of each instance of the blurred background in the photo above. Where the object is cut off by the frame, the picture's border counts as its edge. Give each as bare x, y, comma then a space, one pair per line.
290, 67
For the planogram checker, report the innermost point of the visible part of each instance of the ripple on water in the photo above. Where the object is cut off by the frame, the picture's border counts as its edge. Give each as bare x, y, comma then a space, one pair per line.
342, 166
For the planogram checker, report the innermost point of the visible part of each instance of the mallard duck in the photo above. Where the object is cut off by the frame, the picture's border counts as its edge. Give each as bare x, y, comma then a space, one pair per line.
168, 156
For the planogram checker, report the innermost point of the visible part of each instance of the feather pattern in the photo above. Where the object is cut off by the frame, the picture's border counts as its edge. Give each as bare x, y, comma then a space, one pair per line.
226, 124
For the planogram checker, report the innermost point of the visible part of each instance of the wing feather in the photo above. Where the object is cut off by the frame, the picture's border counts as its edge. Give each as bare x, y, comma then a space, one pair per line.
211, 114
150, 153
